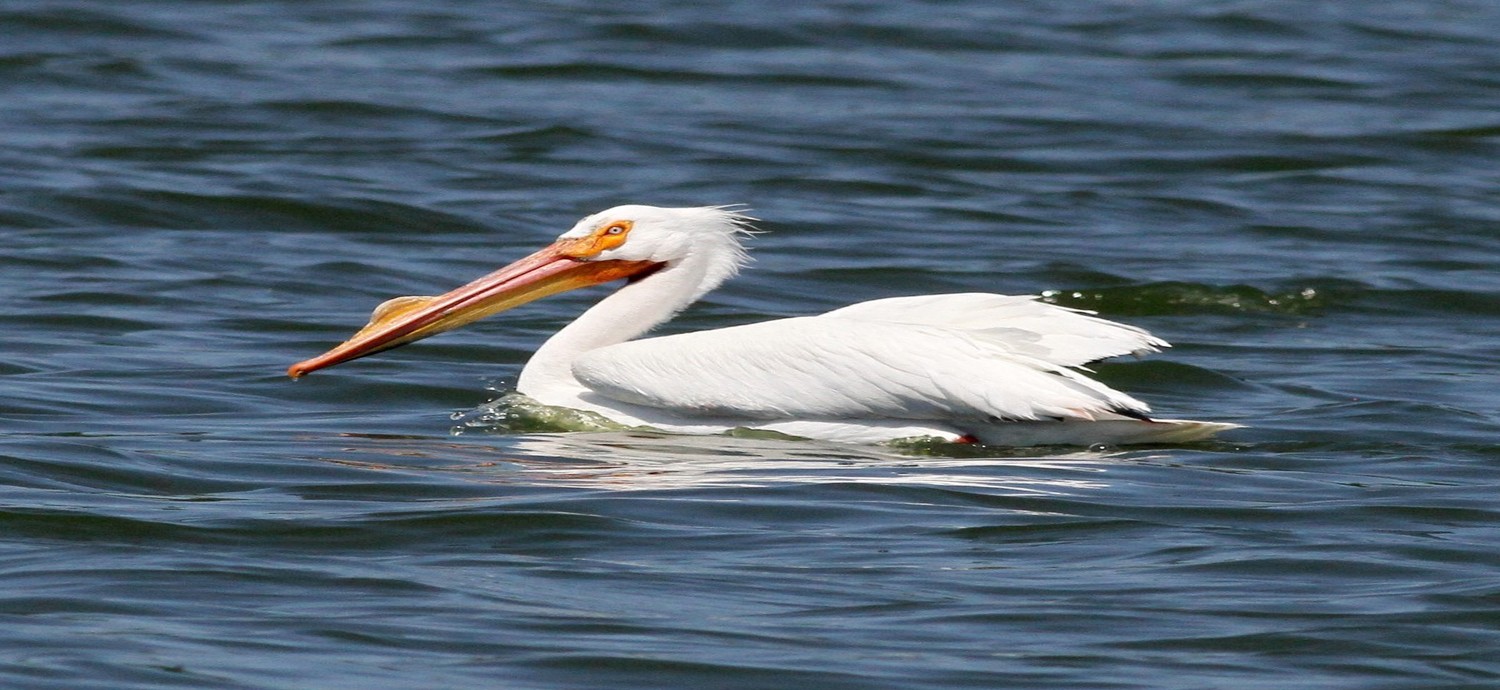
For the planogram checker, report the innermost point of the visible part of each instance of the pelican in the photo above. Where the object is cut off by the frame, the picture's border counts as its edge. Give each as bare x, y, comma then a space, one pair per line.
994, 369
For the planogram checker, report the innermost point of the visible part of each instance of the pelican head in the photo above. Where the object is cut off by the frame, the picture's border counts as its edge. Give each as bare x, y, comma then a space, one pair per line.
663, 235
625, 242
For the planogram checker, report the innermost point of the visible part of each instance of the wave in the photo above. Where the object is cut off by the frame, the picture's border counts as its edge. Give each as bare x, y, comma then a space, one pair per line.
1175, 297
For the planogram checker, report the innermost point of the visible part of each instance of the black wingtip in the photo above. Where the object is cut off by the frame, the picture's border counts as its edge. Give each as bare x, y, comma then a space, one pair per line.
1131, 413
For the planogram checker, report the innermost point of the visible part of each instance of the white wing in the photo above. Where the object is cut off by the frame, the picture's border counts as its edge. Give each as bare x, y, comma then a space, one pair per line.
1059, 335
967, 356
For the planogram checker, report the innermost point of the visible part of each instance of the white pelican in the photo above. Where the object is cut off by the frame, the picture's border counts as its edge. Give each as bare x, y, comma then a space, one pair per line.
972, 367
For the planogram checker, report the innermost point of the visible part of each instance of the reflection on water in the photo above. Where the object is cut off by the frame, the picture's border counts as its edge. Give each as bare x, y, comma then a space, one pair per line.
634, 461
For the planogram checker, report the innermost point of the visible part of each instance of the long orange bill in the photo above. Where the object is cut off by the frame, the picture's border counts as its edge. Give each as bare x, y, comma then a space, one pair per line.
408, 319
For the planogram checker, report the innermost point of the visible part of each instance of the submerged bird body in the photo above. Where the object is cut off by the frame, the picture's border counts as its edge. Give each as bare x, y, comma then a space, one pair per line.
975, 367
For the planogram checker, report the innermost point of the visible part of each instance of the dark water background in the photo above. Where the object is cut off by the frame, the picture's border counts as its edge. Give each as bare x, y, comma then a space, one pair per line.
1301, 196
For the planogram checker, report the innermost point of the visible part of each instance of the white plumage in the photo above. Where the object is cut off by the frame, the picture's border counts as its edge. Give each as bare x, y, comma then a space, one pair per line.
993, 368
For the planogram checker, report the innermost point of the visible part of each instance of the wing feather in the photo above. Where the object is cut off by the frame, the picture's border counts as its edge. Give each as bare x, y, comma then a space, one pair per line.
1060, 335
921, 358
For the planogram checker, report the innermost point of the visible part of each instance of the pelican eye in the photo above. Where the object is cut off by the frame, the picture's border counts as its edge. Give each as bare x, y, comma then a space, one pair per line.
611, 236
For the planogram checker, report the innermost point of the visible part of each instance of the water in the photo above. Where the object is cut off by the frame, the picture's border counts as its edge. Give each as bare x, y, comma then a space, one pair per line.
193, 196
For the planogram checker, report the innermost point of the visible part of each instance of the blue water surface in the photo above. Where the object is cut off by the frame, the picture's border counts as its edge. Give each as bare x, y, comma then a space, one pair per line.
1300, 196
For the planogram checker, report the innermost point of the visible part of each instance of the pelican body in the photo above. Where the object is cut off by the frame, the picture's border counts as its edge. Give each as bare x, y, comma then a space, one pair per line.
996, 369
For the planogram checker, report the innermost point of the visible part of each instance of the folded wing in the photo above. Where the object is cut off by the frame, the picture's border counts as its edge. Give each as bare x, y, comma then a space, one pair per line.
938, 357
